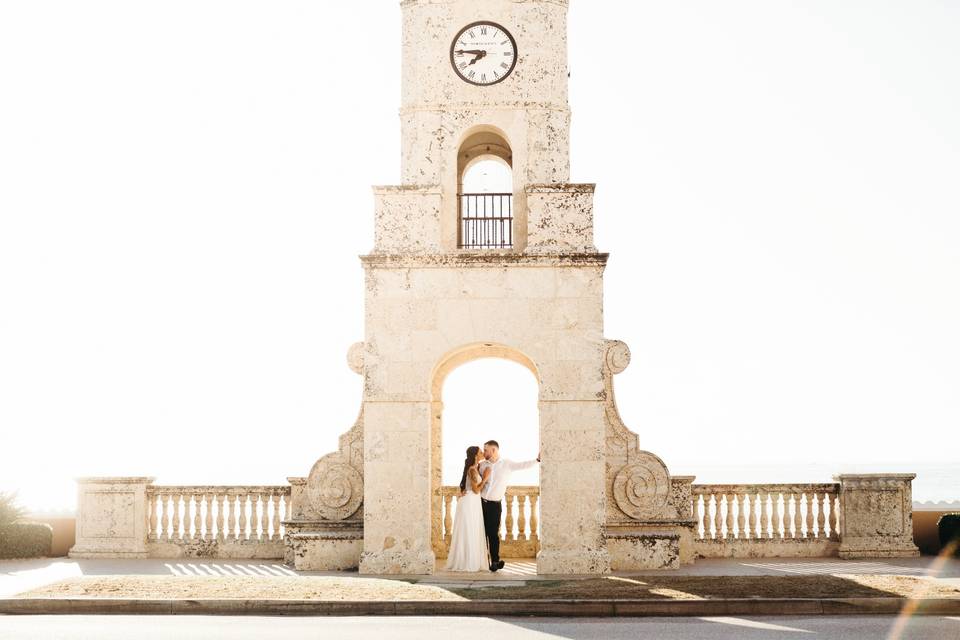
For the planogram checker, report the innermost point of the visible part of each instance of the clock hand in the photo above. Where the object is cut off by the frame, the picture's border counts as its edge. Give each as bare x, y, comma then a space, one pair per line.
480, 56
473, 52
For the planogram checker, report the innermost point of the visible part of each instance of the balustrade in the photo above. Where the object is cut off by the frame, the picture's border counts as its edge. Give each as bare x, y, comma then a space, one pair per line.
766, 512
518, 526
186, 515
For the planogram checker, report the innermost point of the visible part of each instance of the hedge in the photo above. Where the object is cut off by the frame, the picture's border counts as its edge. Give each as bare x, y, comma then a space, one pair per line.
949, 528
26, 540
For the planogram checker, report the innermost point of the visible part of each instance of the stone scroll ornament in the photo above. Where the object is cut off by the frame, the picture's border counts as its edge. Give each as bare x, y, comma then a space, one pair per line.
335, 485
642, 487
335, 489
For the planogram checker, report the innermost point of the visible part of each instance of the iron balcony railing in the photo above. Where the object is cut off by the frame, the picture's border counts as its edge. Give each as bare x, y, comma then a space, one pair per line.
485, 221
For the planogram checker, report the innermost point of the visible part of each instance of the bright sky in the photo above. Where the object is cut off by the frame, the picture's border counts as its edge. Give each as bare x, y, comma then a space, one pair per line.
185, 189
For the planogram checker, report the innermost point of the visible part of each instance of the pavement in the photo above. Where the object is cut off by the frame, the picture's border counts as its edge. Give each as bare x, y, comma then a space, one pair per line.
424, 628
17, 576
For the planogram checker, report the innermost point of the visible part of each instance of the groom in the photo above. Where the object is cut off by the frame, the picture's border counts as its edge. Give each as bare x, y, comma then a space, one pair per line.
496, 471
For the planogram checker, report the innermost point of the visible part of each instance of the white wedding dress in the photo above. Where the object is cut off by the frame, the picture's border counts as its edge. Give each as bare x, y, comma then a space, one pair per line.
468, 542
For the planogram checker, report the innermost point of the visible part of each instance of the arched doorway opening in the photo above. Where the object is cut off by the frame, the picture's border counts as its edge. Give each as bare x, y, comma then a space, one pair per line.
479, 393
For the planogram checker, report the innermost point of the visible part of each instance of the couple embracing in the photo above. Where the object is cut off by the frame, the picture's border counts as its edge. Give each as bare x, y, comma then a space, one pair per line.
477, 522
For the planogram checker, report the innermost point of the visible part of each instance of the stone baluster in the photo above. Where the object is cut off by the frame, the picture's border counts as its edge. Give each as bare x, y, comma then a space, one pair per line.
196, 516
797, 526
764, 515
264, 518
208, 519
534, 517
275, 513
811, 500
447, 517
728, 529
152, 510
231, 527
508, 534
250, 499
221, 502
752, 516
821, 515
163, 516
740, 500
175, 526
241, 516
780, 514
717, 516
522, 518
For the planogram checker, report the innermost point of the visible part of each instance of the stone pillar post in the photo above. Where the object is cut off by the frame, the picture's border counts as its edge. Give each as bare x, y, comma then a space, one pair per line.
572, 489
396, 503
876, 515
111, 518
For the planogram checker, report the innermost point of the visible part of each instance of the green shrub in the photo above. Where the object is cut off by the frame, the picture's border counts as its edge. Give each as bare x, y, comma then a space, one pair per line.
10, 511
949, 528
26, 540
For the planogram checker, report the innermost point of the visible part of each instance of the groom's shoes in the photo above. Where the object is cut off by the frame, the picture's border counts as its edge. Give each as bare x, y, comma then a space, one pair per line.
496, 566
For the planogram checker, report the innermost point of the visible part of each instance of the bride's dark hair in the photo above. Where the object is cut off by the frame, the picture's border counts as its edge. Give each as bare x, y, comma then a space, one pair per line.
469, 462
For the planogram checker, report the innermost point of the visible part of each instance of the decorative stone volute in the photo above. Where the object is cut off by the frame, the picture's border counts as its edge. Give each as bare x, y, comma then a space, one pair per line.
642, 488
355, 357
334, 488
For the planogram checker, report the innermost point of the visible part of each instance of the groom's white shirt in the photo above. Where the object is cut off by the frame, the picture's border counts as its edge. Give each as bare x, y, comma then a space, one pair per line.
500, 476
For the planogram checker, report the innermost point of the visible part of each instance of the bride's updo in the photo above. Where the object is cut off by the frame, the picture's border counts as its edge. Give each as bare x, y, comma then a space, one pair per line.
469, 462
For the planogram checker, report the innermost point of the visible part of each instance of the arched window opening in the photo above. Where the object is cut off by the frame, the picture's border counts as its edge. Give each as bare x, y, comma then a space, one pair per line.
485, 193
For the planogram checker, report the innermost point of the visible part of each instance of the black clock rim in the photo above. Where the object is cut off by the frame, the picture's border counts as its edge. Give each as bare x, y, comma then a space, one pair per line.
453, 46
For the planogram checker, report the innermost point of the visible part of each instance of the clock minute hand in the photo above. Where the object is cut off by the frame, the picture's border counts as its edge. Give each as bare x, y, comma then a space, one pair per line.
473, 52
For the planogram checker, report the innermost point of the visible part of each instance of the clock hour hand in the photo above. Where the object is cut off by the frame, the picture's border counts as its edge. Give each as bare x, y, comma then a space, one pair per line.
479, 54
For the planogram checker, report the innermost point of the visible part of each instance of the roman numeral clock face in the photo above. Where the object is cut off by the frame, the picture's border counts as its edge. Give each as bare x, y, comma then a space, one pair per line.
483, 53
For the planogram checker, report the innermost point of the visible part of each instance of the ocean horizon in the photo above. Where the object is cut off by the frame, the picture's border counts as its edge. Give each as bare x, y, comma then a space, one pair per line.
935, 481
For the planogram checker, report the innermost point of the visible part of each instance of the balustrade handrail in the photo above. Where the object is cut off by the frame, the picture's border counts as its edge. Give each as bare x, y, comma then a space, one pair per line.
514, 490
171, 489
701, 489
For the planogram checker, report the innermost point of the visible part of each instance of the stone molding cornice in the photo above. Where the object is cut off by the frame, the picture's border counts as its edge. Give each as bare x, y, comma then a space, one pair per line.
492, 259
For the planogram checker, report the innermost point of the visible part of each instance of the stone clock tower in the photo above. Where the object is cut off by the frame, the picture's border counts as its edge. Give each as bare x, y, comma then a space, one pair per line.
456, 275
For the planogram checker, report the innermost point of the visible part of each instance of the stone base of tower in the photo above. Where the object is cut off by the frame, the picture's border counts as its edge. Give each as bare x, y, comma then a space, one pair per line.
397, 563
575, 562
322, 545
639, 548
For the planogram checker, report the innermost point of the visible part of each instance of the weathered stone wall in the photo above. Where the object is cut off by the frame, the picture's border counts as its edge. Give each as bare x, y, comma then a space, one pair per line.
529, 109
423, 312
877, 517
111, 518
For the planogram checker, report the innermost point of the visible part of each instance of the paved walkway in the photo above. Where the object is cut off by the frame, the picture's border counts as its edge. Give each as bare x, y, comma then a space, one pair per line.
17, 576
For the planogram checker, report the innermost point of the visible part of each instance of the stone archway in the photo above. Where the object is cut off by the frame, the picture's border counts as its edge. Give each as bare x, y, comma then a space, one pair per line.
439, 506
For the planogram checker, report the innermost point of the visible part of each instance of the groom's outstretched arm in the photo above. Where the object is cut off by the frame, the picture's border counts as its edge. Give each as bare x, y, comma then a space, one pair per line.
521, 466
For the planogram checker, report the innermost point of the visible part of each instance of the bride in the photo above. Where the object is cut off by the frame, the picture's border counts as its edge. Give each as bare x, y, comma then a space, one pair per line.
468, 547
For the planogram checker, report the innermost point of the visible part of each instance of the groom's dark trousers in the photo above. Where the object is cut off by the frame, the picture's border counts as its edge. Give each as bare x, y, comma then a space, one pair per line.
492, 510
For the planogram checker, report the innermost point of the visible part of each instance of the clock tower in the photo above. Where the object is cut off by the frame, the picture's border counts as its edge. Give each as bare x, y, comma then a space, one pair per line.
486, 250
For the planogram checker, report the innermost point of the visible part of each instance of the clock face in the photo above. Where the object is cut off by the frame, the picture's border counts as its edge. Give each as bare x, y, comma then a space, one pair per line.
483, 53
